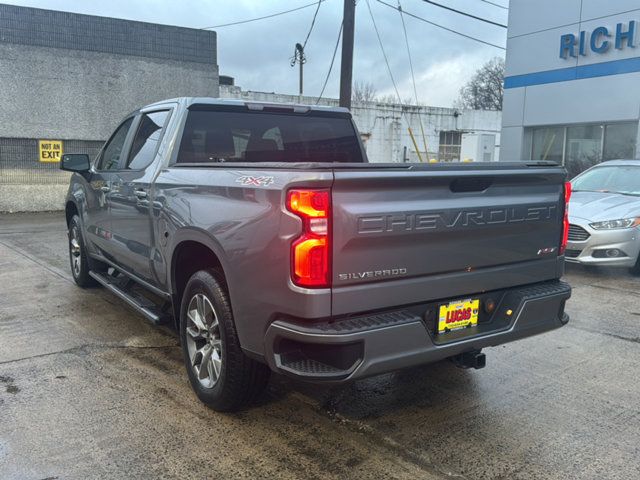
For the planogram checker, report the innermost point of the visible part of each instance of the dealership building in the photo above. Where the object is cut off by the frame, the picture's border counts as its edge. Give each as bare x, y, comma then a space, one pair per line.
572, 81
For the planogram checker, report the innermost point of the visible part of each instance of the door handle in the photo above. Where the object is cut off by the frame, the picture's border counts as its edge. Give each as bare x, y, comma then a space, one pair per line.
140, 194
105, 189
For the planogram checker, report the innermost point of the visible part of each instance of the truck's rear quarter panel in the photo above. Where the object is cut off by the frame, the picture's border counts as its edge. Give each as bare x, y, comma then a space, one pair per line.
240, 215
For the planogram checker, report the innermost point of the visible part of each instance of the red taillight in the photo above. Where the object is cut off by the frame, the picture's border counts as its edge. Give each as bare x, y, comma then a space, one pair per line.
310, 252
565, 221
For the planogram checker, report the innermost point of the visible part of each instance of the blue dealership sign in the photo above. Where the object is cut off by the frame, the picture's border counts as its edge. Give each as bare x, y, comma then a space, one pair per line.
599, 41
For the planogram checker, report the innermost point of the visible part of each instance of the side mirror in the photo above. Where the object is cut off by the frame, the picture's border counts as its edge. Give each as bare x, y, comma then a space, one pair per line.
75, 162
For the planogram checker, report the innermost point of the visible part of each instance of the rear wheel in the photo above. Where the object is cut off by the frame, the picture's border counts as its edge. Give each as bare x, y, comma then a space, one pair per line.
222, 376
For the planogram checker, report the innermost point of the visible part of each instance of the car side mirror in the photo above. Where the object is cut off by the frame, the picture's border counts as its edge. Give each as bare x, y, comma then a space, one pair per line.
75, 162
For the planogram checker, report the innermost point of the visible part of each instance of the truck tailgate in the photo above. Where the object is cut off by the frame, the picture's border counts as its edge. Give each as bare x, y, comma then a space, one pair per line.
448, 231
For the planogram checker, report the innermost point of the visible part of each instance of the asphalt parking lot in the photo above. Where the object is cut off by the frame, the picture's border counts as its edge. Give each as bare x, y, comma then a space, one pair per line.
89, 389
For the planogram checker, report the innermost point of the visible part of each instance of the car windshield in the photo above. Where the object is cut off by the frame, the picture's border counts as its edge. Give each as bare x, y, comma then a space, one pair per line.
624, 179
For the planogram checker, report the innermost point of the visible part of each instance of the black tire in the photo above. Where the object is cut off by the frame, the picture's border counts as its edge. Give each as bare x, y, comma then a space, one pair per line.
238, 379
79, 261
635, 270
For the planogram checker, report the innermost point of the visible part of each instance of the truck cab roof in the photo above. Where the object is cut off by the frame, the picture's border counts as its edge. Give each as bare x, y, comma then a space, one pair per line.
253, 105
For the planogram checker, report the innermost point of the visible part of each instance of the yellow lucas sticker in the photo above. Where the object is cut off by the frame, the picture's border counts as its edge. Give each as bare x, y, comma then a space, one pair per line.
459, 314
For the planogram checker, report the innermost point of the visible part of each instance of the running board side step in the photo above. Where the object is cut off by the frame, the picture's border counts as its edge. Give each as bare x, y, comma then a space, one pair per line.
142, 305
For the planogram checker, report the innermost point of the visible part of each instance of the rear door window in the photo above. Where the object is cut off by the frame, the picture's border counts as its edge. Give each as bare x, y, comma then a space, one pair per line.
145, 143
246, 136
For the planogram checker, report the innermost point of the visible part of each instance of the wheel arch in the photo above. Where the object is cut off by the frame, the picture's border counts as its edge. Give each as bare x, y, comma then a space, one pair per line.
70, 209
190, 254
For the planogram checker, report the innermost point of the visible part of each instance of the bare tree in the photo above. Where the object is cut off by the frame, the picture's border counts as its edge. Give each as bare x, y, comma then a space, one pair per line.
364, 92
389, 99
485, 89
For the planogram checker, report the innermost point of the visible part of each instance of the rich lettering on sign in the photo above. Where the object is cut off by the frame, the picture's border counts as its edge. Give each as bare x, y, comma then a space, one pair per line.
598, 41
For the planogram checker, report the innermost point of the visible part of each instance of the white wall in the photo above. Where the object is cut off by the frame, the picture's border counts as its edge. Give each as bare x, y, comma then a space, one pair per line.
385, 126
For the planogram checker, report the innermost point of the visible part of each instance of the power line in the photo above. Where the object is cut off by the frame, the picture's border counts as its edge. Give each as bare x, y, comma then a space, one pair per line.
313, 22
335, 50
406, 41
384, 54
495, 4
264, 17
442, 27
460, 12
413, 77
386, 60
298, 53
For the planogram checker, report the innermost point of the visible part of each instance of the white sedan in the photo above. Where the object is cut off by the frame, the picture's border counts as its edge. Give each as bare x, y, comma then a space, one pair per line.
604, 216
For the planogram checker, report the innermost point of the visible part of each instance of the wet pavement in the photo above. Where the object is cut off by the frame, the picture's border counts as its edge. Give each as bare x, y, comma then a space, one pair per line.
90, 389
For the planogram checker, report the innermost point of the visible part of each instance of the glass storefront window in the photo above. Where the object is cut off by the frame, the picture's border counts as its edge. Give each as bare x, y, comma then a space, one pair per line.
620, 141
584, 148
579, 147
548, 144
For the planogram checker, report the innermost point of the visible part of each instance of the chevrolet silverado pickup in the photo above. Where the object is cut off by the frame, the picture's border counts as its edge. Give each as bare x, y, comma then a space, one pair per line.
265, 237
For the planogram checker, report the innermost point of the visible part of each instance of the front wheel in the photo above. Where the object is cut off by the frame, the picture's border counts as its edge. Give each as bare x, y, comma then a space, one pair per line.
221, 375
635, 270
78, 255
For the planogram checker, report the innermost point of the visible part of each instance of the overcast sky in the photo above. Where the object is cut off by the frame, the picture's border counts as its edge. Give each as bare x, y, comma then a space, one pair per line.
257, 54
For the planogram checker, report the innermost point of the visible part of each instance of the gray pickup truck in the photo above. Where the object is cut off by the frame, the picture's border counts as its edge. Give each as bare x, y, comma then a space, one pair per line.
261, 232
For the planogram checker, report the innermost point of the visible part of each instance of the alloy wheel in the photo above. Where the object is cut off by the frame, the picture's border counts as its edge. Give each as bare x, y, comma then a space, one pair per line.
203, 339
75, 252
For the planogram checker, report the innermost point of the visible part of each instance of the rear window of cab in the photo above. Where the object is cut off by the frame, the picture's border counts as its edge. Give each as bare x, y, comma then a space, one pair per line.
248, 136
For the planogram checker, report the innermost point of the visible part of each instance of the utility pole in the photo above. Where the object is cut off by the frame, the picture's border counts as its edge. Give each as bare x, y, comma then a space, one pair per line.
301, 75
299, 58
346, 66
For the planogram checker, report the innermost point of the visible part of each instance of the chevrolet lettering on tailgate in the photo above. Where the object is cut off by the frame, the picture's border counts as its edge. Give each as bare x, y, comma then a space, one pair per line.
452, 219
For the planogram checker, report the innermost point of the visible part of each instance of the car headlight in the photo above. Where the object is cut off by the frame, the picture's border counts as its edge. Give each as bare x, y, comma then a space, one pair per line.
616, 224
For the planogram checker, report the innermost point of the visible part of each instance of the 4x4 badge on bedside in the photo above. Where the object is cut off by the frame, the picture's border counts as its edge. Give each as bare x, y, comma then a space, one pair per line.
248, 180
